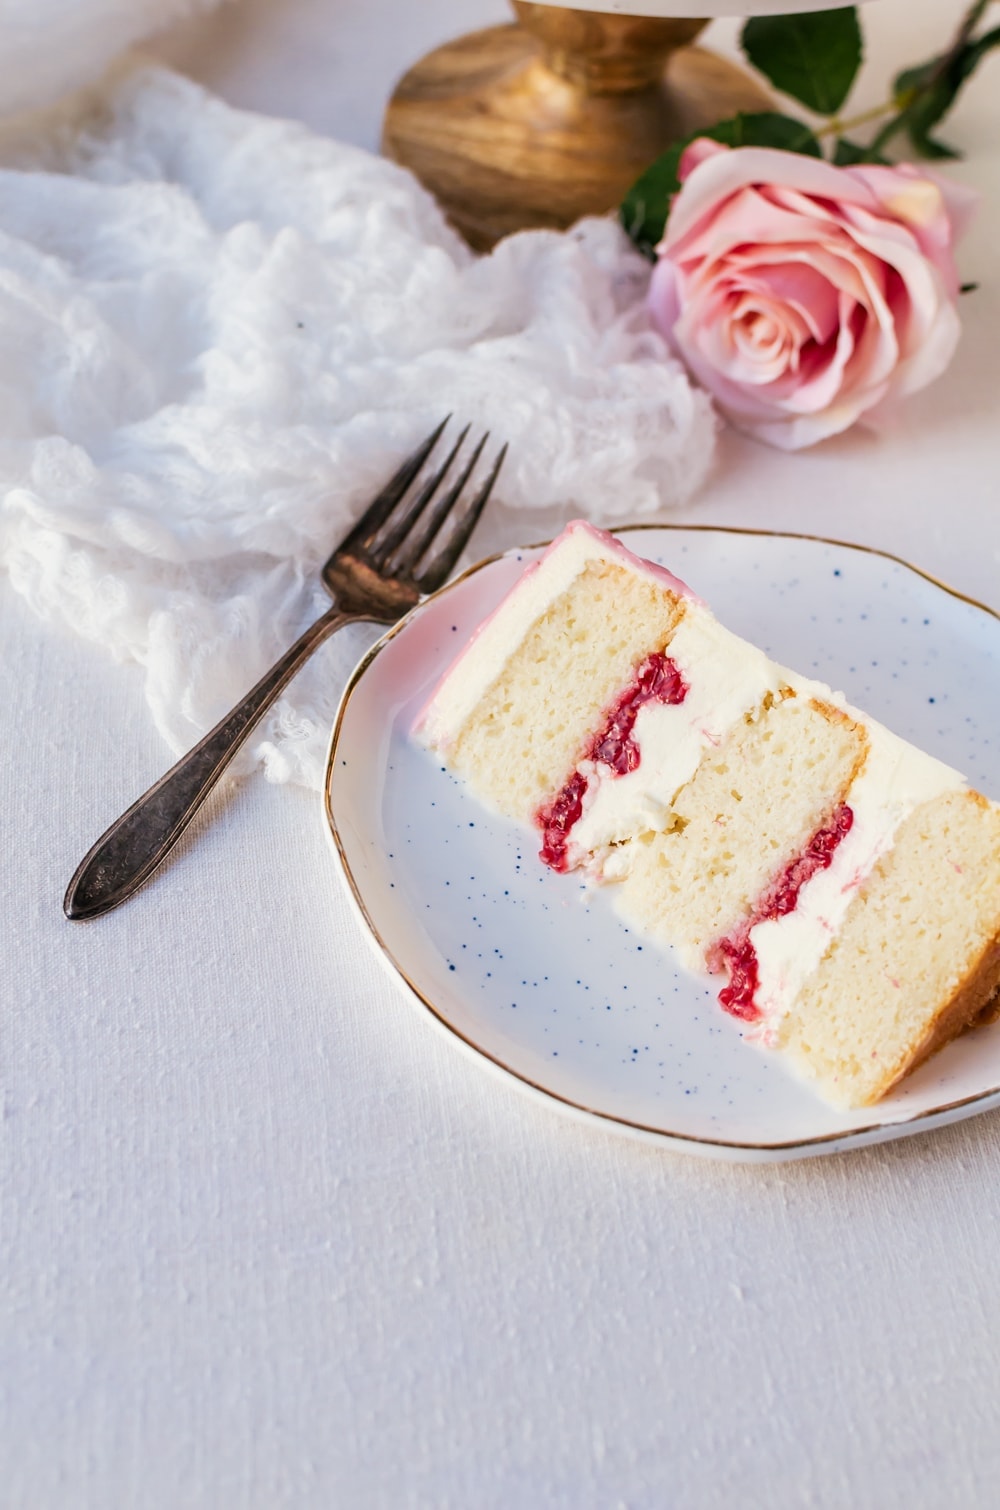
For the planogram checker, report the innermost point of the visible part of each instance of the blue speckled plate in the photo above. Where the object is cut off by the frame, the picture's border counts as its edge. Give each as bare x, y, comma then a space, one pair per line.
539, 978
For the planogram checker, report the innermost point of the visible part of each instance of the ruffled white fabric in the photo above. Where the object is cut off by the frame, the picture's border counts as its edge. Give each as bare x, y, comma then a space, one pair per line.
218, 335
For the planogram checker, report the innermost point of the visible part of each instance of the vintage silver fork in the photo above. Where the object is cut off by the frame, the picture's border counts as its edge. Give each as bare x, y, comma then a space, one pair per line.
380, 570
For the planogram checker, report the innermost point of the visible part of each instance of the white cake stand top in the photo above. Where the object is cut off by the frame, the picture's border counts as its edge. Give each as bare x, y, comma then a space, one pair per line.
696, 8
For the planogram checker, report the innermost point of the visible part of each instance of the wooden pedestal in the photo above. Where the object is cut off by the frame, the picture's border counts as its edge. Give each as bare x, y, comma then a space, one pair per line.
511, 127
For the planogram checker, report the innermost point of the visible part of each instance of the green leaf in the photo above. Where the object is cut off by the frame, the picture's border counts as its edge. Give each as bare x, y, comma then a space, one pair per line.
847, 153
645, 208
765, 128
908, 84
926, 93
978, 49
814, 57
647, 204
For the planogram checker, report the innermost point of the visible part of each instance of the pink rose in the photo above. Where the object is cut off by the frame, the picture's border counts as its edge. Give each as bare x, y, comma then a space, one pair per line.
803, 296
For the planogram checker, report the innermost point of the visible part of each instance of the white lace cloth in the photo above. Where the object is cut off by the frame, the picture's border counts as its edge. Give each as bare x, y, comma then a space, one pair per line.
219, 333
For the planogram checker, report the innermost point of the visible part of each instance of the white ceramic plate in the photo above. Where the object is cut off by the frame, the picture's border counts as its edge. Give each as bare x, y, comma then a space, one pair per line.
541, 979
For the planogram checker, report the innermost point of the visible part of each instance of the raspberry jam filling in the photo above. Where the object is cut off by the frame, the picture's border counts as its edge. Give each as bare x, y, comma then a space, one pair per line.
657, 680
557, 820
780, 898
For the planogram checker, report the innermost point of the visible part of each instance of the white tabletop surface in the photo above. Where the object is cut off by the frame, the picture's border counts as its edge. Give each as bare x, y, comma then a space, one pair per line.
269, 1241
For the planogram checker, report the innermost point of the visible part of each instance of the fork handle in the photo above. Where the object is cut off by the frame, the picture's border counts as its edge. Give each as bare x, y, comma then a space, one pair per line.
125, 856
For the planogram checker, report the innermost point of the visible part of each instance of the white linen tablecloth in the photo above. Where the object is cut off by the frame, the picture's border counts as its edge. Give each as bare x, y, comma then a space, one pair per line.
267, 1241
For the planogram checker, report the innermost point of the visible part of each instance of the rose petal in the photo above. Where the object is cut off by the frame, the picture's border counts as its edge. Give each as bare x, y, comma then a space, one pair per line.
805, 296
724, 173
894, 185
698, 151
803, 289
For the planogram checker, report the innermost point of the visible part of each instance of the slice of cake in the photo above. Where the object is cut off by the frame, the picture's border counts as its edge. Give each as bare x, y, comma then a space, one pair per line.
846, 885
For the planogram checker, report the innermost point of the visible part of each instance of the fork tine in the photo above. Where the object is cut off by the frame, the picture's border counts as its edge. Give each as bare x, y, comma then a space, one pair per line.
407, 516
383, 504
441, 564
420, 543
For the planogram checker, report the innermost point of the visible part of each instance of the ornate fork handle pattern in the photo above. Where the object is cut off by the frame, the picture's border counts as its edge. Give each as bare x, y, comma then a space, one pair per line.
145, 834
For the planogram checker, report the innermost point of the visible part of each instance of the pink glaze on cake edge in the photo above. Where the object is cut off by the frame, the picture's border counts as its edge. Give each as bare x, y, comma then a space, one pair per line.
628, 558
613, 547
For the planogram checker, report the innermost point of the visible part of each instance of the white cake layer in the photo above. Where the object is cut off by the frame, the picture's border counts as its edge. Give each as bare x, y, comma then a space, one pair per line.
483, 659
896, 779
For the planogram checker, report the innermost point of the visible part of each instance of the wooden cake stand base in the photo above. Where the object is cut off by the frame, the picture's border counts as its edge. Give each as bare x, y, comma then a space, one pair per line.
539, 123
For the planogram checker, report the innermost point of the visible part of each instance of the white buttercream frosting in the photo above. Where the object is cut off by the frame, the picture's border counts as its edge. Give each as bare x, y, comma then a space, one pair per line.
726, 677
895, 779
